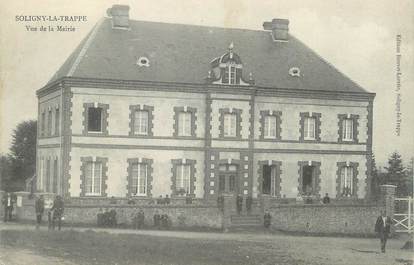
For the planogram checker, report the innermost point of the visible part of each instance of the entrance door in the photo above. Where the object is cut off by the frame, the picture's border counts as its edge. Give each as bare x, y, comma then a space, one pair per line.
228, 179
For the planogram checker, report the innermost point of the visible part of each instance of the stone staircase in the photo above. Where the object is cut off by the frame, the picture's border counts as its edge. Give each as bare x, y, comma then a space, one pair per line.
243, 221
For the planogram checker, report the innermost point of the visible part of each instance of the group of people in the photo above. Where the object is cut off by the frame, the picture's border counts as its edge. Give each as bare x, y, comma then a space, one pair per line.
239, 204
55, 213
162, 221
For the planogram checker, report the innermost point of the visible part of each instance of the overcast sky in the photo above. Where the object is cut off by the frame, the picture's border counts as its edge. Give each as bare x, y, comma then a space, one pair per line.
358, 37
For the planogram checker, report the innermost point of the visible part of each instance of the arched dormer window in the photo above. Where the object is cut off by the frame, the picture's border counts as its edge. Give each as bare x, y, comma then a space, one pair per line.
227, 69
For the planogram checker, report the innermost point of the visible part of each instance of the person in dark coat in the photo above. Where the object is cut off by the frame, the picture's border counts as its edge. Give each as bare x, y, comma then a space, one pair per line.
39, 208
8, 202
326, 199
157, 219
239, 203
382, 227
57, 209
249, 202
140, 219
267, 218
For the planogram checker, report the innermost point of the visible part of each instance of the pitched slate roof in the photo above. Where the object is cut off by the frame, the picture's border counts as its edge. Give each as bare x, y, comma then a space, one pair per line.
182, 54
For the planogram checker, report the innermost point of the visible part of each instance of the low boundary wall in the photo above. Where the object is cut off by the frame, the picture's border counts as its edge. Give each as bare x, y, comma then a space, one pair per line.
326, 219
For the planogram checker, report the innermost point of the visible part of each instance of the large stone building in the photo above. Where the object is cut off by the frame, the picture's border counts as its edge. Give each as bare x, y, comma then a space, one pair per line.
143, 109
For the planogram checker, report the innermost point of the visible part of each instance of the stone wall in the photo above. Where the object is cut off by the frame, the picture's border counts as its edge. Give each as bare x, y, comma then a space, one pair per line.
79, 212
326, 219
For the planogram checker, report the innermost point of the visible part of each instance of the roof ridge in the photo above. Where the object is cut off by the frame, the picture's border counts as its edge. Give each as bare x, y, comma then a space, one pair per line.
328, 63
195, 25
85, 48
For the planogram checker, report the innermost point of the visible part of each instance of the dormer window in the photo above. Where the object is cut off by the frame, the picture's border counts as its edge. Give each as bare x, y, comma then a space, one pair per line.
227, 70
230, 73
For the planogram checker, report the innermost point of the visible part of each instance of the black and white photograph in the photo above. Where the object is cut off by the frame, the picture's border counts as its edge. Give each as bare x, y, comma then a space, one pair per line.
271, 132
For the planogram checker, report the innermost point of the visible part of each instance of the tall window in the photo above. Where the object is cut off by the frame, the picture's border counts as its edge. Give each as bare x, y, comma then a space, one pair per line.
347, 176
57, 121
55, 176
230, 74
40, 185
94, 119
184, 124
182, 181
141, 122
93, 178
48, 179
347, 130
49, 123
309, 128
42, 124
230, 125
270, 126
270, 180
139, 173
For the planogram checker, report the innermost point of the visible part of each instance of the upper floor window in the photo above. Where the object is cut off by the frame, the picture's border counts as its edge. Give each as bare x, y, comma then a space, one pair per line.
270, 126
230, 122
92, 178
309, 128
230, 125
141, 122
42, 124
185, 121
49, 122
57, 121
184, 124
139, 172
94, 119
310, 123
347, 130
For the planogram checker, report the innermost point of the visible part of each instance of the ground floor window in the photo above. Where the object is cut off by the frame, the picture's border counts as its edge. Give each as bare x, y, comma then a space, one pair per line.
139, 172
270, 180
182, 180
93, 178
347, 176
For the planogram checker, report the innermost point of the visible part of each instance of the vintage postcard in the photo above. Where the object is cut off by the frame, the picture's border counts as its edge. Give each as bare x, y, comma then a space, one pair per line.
206, 132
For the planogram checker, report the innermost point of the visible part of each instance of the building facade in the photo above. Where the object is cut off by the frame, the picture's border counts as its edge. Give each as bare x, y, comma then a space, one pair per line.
143, 109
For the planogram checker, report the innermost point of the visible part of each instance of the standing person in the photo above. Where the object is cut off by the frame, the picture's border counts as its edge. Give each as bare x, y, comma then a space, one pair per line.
249, 202
7, 201
40, 208
382, 227
326, 199
267, 219
57, 209
239, 203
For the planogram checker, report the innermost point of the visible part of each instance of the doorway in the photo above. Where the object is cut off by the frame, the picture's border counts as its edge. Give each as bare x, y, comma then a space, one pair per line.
269, 180
228, 179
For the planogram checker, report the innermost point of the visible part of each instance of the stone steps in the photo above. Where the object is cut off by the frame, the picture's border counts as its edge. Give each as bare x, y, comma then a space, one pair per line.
246, 220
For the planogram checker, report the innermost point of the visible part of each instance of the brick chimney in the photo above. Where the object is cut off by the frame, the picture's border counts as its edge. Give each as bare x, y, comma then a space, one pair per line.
120, 16
279, 28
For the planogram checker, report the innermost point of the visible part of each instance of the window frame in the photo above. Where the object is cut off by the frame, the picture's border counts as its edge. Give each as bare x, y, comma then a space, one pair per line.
354, 180
222, 127
342, 118
148, 181
193, 121
139, 177
305, 126
192, 179
132, 119
104, 118
103, 176
57, 121
93, 179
